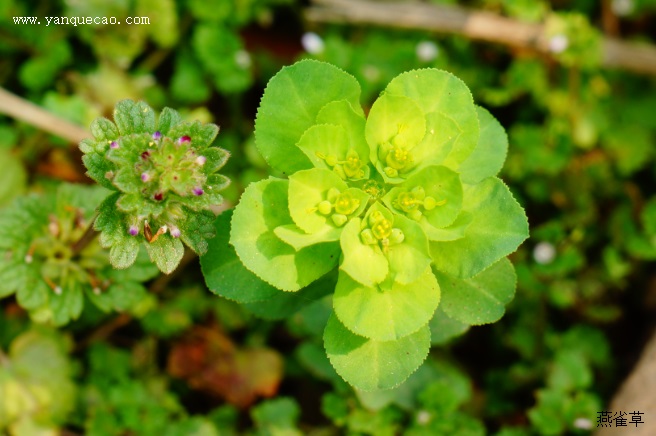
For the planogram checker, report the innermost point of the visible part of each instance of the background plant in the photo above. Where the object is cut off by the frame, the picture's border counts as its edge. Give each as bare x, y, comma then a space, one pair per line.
580, 160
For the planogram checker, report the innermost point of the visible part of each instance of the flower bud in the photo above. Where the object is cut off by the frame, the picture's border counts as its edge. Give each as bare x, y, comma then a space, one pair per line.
157, 135
184, 139
198, 191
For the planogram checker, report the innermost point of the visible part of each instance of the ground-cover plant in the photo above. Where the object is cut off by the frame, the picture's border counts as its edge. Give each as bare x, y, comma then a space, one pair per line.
164, 174
164, 177
393, 213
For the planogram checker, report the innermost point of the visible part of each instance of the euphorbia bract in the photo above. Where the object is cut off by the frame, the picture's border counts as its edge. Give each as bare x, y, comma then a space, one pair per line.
402, 205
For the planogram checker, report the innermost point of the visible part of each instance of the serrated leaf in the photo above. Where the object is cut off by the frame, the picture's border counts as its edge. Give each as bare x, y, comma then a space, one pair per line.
289, 106
98, 168
499, 225
443, 328
285, 304
166, 252
446, 96
487, 158
262, 208
124, 251
103, 130
134, 117
373, 365
197, 229
388, 311
201, 135
224, 273
480, 299
167, 119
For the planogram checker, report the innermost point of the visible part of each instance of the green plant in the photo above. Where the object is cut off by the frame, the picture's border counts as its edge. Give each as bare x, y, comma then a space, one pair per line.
402, 209
164, 174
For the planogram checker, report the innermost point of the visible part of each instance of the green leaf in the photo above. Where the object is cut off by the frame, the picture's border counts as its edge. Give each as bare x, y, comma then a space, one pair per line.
289, 106
388, 311
372, 365
451, 117
443, 328
285, 304
455, 231
218, 49
134, 117
408, 259
365, 263
67, 305
13, 178
197, 229
104, 131
480, 299
569, 371
224, 273
394, 127
297, 238
121, 296
499, 225
307, 189
262, 208
329, 146
99, 168
487, 158
167, 119
166, 251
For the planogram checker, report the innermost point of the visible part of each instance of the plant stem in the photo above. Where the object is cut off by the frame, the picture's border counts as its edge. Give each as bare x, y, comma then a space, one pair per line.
88, 236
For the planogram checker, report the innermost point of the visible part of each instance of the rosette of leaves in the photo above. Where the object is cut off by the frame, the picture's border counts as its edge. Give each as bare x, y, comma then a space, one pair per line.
164, 176
49, 262
403, 207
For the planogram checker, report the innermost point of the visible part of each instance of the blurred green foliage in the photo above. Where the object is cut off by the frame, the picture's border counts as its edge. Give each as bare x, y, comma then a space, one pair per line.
580, 159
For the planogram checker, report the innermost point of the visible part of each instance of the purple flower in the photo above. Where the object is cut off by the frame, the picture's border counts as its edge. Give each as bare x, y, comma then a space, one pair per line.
157, 136
175, 232
198, 191
113, 144
200, 160
145, 177
134, 230
184, 139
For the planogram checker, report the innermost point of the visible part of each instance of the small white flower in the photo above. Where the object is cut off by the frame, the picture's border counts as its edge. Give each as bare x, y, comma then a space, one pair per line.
427, 51
243, 59
558, 43
423, 417
583, 423
544, 253
312, 43
58, 290
622, 7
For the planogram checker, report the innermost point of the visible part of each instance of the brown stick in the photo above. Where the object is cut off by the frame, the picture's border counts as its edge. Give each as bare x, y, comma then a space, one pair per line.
23, 110
483, 26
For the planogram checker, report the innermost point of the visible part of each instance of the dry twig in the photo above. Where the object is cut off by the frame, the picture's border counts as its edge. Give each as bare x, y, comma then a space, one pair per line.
482, 26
